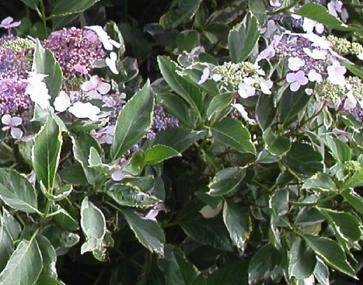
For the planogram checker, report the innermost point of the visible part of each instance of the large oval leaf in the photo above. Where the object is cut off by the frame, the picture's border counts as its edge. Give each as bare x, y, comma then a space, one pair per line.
226, 181
133, 122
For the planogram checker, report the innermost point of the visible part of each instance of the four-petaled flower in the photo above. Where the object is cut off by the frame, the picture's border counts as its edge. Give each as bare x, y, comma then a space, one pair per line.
336, 73
95, 88
296, 80
83, 110
12, 124
9, 23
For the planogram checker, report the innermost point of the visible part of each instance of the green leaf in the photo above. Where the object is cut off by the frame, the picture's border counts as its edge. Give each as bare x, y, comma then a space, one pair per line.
320, 181
232, 133
226, 180
46, 153
238, 223
130, 196
226, 275
47, 280
275, 144
148, 232
24, 265
344, 224
302, 260
65, 220
133, 122
49, 256
356, 180
179, 139
82, 144
339, 150
291, 104
68, 7
265, 111
93, 224
182, 12
158, 153
331, 253
263, 263
258, 8
354, 199
210, 232
242, 38
219, 106
303, 160
177, 270
6, 246
188, 91
321, 273
31, 3
17, 192
320, 14
135, 164
45, 63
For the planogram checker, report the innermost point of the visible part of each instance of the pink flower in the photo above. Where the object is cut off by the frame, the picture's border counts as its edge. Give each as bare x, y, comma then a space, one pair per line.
95, 88
9, 23
296, 80
81, 69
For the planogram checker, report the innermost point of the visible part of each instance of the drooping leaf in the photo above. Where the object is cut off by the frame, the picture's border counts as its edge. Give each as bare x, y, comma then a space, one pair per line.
148, 232
231, 133
133, 121
226, 180
49, 256
24, 265
17, 192
46, 152
238, 223
242, 38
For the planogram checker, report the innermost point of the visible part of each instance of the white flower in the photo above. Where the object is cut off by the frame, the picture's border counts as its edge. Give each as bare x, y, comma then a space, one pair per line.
350, 102
217, 77
317, 41
309, 91
37, 90
296, 80
12, 123
107, 42
246, 90
295, 63
336, 73
205, 75
315, 76
360, 56
95, 88
316, 53
309, 26
85, 111
62, 102
111, 62
275, 3
118, 175
335, 7
265, 86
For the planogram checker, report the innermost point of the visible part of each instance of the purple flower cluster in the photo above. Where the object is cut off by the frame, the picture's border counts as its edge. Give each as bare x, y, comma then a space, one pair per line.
75, 49
13, 99
13, 65
161, 121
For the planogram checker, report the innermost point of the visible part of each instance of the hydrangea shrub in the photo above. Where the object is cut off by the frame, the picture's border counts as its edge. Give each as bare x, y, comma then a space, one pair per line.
221, 145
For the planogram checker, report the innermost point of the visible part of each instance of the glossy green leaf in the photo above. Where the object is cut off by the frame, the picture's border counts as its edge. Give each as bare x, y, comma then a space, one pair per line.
232, 133
356, 180
265, 111
275, 144
45, 63
65, 220
331, 253
302, 260
320, 181
68, 7
179, 139
339, 149
31, 3
129, 196
82, 144
188, 91
158, 153
17, 192
49, 256
148, 232
354, 199
133, 121
219, 106
46, 152
303, 160
238, 223
24, 265
242, 38
226, 180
